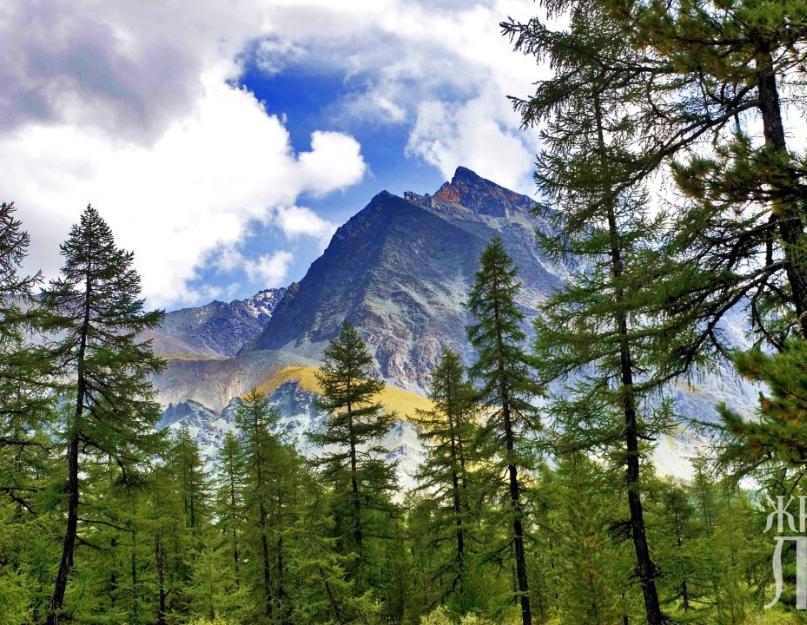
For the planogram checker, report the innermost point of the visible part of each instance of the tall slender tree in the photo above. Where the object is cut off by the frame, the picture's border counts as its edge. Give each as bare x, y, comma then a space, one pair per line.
448, 431
507, 390
26, 413
255, 418
25, 398
97, 316
355, 424
601, 328
689, 81
230, 497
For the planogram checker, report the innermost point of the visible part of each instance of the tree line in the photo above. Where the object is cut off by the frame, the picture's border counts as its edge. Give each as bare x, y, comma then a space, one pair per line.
536, 501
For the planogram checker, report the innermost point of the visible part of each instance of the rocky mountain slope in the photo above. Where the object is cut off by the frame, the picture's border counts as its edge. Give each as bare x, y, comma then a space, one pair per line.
216, 330
400, 270
296, 404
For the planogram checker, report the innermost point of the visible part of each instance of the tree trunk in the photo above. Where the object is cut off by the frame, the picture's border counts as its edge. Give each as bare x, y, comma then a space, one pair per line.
159, 557
283, 598
645, 565
791, 227
236, 557
354, 488
515, 490
267, 574
518, 529
69, 544
456, 495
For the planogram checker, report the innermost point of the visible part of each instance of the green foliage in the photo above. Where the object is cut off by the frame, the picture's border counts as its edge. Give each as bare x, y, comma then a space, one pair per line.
507, 389
448, 481
778, 435
352, 458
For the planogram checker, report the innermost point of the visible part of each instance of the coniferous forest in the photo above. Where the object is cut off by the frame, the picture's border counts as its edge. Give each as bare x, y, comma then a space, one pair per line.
537, 500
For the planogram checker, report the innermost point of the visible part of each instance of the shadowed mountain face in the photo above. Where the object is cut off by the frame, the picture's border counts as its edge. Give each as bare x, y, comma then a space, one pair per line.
400, 271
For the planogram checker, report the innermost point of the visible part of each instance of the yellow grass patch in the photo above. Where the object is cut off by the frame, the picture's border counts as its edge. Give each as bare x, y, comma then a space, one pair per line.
393, 398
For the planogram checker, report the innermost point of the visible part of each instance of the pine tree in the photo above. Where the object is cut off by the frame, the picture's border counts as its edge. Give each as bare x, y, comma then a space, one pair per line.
688, 81
778, 438
96, 314
317, 571
25, 400
186, 462
255, 418
604, 326
507, 389
590, 567
26, 412
355, 424
448, 431
230, 498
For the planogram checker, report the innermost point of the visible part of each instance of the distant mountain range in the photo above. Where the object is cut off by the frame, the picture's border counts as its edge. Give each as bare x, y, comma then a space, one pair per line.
399, 270
217, 330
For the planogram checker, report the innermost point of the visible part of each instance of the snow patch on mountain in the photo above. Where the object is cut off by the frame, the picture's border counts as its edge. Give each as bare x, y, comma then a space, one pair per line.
298, 414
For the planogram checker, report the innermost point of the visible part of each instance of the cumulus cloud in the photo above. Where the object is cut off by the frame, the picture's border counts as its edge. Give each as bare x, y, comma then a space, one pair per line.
132, 106
474, 135
298, 221
441, 67
195, 190
123, 67
269, 270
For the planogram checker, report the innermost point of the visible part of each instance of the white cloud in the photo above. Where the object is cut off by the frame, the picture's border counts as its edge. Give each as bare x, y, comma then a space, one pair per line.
130, 106
269, 271
194, 191
334, 158
298, 221
475, 135
442, 67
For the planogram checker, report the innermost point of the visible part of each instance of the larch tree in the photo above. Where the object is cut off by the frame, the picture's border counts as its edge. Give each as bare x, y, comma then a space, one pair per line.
25, 398
600, 331
697, 86
26, 412
448, 431
507, 390
97, 316
352, 455
230, 498
255, 419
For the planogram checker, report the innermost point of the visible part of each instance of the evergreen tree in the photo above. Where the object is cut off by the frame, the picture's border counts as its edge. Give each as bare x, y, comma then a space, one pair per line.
688, 81
353, 459
318, 572
602, 327
504, 372
448, 431
97, 316
590, 567
186, 462
778, 437
230, 498
26, 412
255, 419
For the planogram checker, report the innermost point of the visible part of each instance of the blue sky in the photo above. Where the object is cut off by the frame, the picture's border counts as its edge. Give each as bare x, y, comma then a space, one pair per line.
224, 146
308, 98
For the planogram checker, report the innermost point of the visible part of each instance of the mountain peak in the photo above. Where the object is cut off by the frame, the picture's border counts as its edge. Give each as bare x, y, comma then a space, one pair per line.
470, 190
467, 175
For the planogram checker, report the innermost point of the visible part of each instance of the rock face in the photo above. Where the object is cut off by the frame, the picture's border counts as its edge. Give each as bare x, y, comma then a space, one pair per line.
298, 415
216, 330
400, 270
